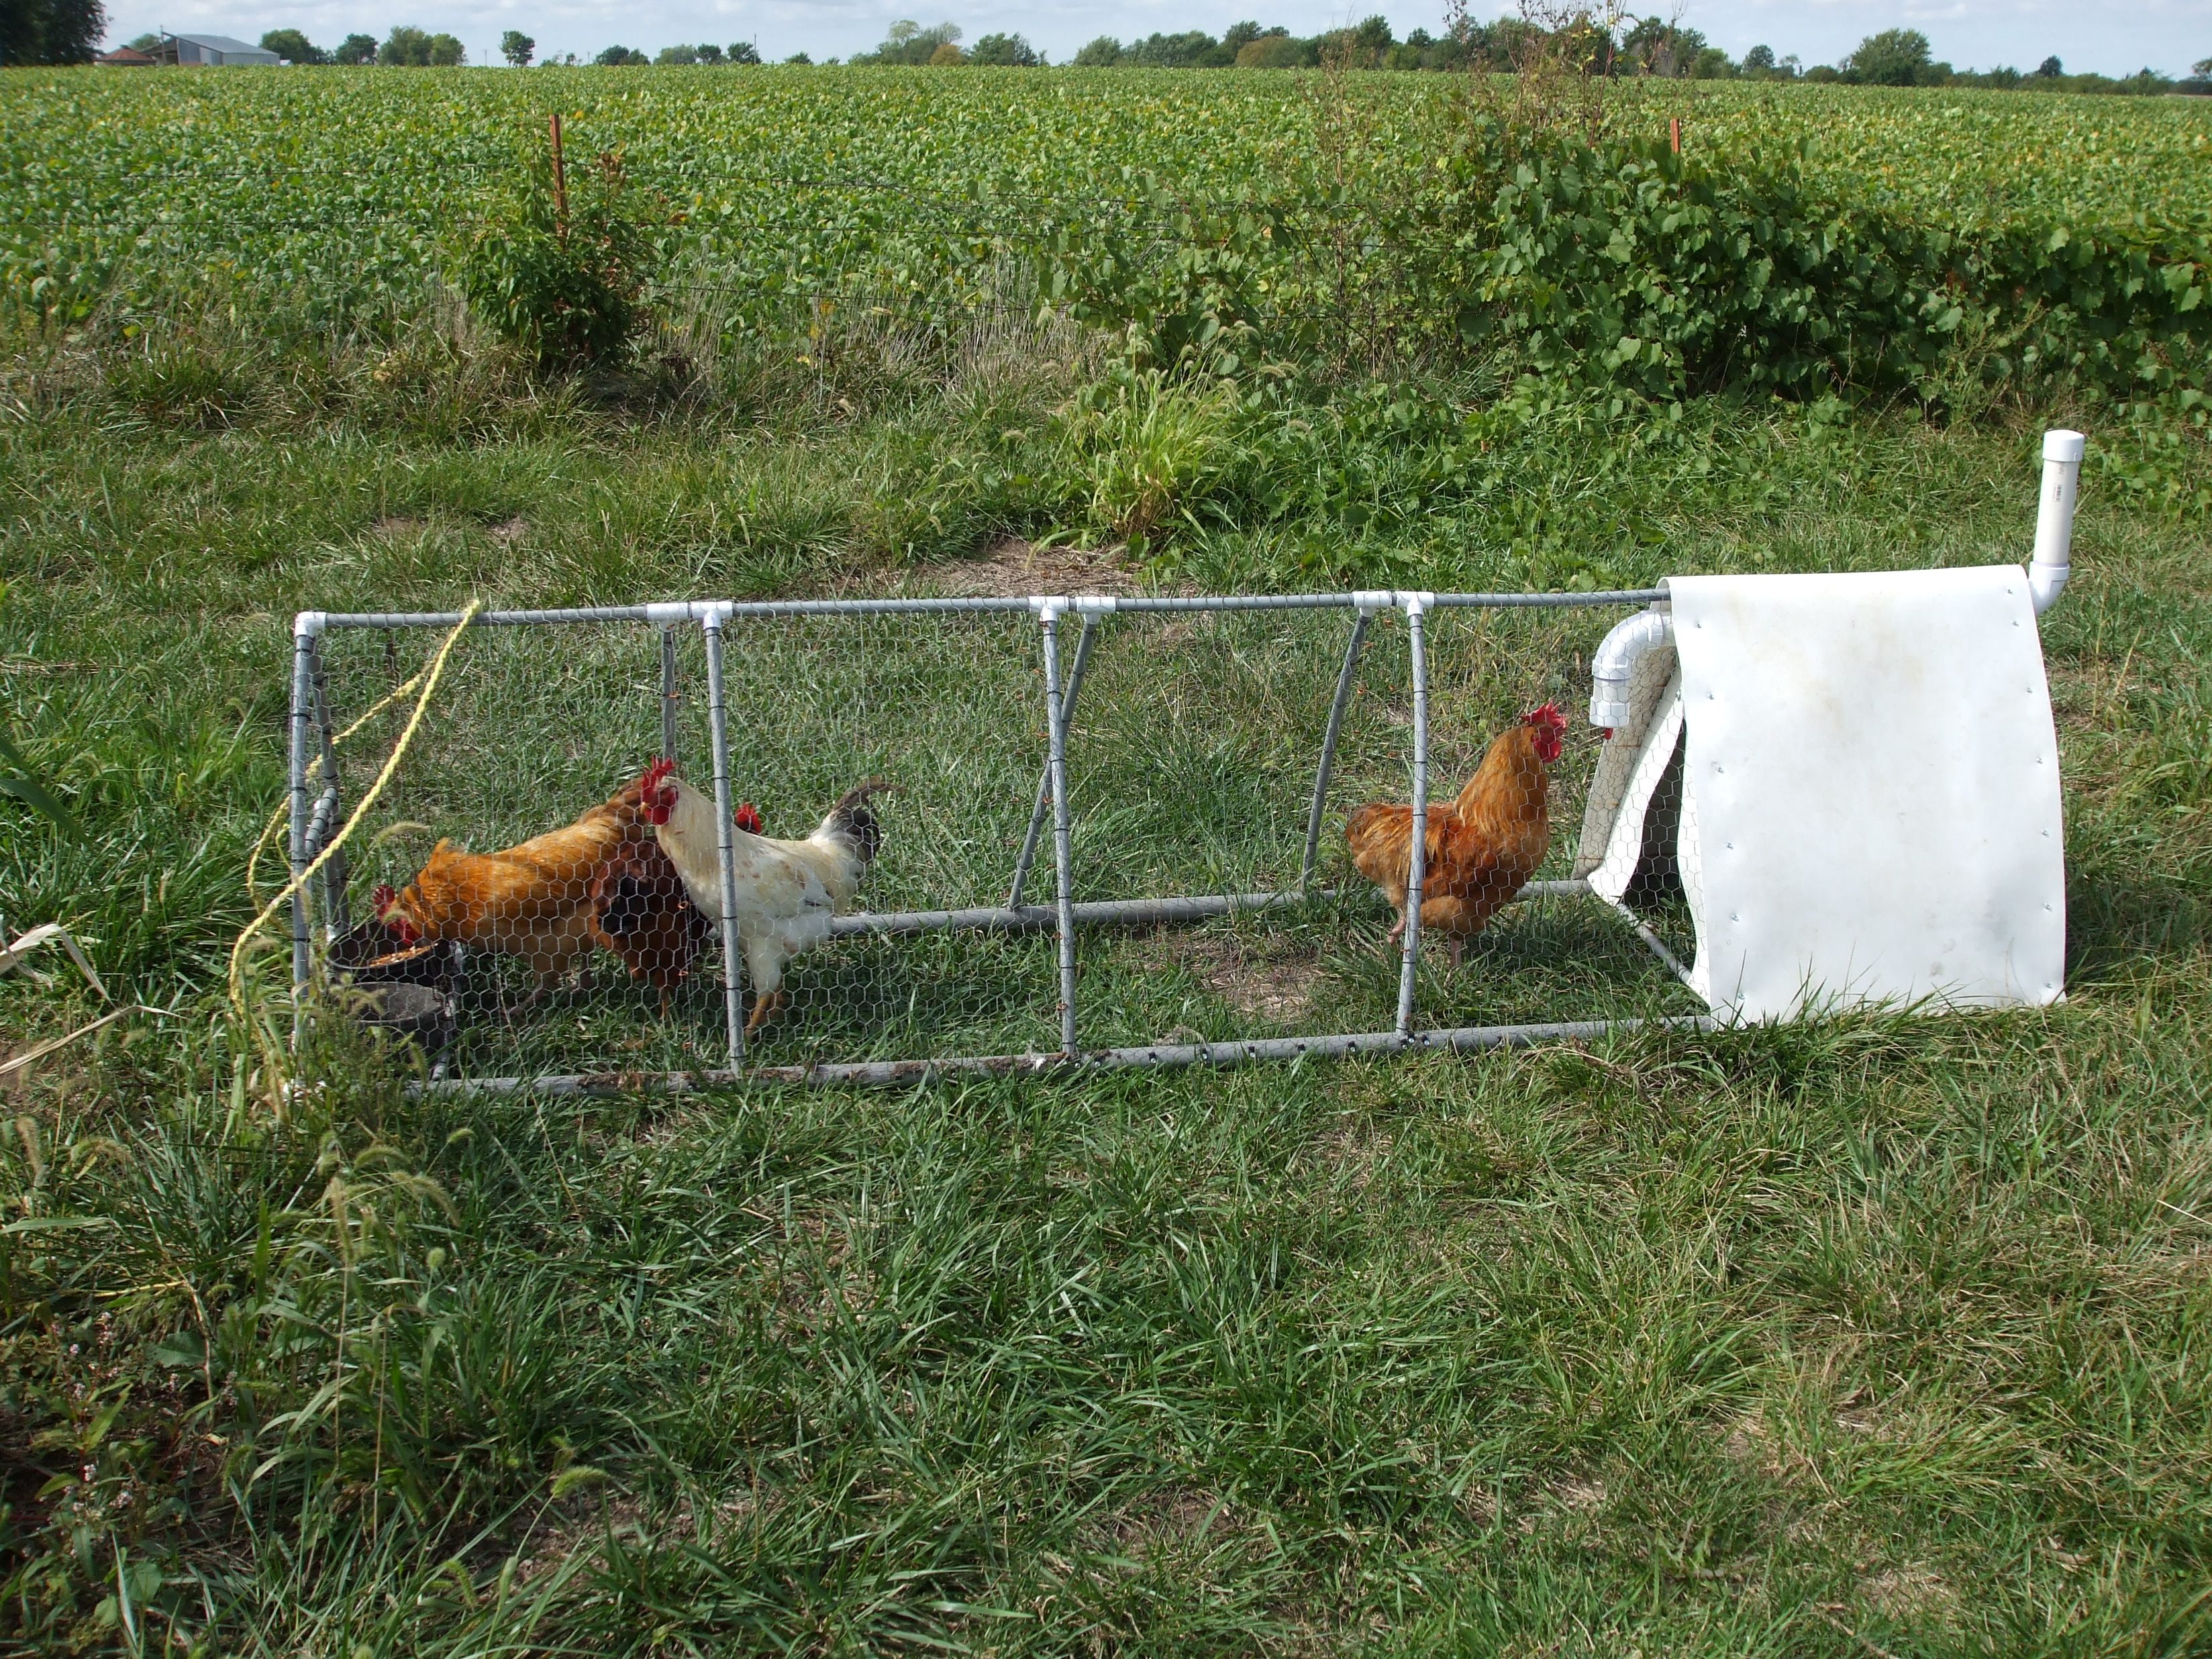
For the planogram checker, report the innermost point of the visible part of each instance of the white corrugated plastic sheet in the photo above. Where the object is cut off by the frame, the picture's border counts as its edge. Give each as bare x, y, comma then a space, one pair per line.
1871, 803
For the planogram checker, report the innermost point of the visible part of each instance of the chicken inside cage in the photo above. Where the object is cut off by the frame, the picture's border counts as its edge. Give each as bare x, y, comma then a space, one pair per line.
1160, 829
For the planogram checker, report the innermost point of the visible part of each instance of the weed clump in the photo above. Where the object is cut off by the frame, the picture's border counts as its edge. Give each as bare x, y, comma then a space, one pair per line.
561, 266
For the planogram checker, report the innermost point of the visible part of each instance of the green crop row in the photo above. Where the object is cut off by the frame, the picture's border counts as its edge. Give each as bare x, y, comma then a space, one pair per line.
1804, 235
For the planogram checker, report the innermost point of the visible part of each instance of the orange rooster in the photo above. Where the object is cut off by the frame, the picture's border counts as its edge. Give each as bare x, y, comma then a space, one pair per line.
1481, 848
535, 901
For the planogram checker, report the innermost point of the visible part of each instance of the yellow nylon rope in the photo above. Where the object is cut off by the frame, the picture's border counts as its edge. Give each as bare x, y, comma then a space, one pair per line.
414, 722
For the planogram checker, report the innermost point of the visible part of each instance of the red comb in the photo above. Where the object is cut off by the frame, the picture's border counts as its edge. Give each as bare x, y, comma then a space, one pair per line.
1548, 715
748, 818
655, 774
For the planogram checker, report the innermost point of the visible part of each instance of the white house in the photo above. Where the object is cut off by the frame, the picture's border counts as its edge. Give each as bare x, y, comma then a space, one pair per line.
213, 50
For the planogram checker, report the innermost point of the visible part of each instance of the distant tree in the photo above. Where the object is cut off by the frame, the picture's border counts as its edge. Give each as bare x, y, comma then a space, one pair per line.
50, 31
947, 56
743, 52
1186, 50
2050, 69
356, 49
1102, 53
798, 57
709, 52
676, 55
1239, 36
1655, 46
517, 48
411, 48
1277, 49
2201, 66
909, 43
1759, 60
294, 47
1004, 52
1895, 58
616, 57
148, 44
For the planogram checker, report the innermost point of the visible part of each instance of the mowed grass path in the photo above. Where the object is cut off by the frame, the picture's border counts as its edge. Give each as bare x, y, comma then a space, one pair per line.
1872, 1336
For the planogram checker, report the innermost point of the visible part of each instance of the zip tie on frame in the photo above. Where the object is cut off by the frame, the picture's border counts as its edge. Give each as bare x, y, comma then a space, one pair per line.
369, 798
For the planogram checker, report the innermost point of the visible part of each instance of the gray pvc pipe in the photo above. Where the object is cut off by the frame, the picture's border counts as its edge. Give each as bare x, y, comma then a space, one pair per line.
726, 833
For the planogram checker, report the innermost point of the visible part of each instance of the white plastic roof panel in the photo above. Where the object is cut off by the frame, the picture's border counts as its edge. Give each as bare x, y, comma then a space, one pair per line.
1871, 777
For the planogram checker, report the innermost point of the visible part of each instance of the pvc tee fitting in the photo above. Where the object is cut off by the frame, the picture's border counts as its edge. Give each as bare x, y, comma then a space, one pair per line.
2054, 517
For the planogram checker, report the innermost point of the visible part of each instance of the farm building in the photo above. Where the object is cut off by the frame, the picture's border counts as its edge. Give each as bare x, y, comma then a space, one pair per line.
212, 51
124, 58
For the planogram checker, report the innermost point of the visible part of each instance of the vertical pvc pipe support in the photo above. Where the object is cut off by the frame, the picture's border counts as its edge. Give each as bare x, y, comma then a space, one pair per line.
307, 628
1037, 808
338, 918
2054, 517
725, 836
667, 692
1369, 604
1417, 853
1049, 615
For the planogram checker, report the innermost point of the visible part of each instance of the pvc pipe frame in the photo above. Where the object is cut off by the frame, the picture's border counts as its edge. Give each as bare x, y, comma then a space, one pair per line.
1064, 916
2054, 516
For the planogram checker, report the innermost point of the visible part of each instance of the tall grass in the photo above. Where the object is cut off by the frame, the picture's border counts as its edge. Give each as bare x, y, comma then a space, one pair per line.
1860, 1333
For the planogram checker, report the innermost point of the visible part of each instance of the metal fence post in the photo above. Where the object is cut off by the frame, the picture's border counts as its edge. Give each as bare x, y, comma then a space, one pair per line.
668, 694
1369, 604
1022, 865
726, 837
1417, 855
1048, 613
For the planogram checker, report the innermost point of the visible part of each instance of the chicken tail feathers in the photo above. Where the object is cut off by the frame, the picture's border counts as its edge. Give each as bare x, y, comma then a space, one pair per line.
851, 822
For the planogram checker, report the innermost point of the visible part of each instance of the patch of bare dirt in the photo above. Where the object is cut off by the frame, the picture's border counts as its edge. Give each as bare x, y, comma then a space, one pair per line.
1163, 1523
1261, 979
1014, 570
1578, 1494
398, 526
1911, 1592
509, 532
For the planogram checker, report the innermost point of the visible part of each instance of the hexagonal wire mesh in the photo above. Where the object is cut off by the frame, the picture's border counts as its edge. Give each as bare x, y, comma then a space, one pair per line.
1241, 777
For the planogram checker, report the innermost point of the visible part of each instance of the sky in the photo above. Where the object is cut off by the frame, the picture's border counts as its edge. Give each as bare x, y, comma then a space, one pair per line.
2110, 37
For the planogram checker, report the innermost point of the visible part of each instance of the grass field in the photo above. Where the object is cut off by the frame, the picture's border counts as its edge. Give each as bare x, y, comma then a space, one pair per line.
1863, 1336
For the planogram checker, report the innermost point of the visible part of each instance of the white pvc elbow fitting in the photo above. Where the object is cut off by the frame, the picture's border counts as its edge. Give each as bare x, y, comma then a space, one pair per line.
1615, 659
2054, 517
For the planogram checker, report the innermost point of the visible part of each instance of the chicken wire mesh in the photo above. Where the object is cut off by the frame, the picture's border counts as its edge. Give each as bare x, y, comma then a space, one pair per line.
896, 760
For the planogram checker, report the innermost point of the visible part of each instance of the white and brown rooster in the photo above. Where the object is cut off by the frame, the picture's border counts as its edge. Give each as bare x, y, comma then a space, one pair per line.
787, 891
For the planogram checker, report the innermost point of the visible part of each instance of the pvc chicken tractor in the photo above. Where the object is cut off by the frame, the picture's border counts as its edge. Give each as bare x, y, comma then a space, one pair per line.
1016, 833
1849, 781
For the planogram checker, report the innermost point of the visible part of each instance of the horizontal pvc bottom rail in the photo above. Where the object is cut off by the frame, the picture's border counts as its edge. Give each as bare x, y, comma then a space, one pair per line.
1123, 913
899, 1074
